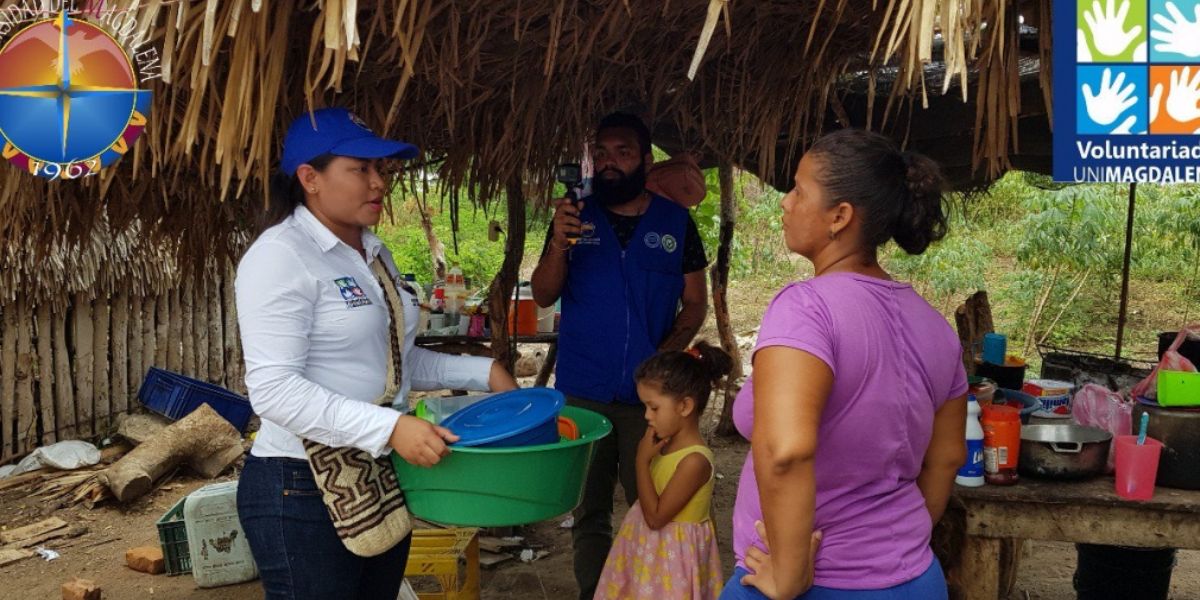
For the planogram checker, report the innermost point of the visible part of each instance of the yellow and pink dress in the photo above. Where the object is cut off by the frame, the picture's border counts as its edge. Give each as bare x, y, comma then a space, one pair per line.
679, 561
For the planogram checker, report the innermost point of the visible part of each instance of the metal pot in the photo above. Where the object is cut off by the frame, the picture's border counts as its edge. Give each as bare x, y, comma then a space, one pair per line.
1063, 451
1179, 431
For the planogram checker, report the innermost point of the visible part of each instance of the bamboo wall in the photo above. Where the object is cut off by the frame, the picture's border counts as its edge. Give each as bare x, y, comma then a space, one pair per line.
69, 367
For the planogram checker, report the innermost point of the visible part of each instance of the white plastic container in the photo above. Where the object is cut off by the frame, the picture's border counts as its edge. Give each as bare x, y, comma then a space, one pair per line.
971, 473
218, 547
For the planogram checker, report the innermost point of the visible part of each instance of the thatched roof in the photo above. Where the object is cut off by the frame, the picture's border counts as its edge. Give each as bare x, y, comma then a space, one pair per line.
501, 90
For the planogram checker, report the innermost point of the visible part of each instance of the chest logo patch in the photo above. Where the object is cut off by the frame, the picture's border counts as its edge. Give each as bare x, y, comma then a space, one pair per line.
669, 244
652, 240
351, 292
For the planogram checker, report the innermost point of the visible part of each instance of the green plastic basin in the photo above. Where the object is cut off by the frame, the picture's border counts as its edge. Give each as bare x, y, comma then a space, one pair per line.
499, 487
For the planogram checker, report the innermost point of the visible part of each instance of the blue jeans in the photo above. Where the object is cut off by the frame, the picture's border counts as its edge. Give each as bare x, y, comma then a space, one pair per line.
298, 552
930, 585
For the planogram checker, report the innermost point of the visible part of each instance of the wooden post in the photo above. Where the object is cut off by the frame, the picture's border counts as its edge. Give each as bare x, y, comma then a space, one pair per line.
720, 289
83, 344
136, 342
187, 337
215, 334
235, 368
27, 414
8, 380
45, 376
501, 291
973, 319
120, 353
102, 406
981, 556
64, 388
175, 332
1123, 313
200, 327
149, 336
162, 330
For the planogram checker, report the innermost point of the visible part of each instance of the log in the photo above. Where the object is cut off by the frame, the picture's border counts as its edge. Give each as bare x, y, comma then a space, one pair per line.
134, 372
187, 334
27, 413
102, 406
8, 380
120, 353
501, 290
64, 388
200, 328
216, 334
45, 376
720, 289
83, 342
203, 440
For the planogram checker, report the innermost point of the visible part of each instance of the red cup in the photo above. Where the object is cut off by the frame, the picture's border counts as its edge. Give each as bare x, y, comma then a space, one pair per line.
1137, 467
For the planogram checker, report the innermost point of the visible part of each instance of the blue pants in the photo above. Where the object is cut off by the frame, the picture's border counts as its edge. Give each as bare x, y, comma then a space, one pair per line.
930, 585
298, 552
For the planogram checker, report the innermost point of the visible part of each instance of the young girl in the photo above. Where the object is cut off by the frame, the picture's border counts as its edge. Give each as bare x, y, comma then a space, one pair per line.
667, 547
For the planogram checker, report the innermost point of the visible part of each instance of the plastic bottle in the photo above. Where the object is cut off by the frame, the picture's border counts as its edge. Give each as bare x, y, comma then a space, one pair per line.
1001, 443
456, 294
971, 473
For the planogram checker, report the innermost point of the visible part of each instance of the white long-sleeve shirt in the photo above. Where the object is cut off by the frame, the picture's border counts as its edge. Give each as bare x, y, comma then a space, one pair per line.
315, 330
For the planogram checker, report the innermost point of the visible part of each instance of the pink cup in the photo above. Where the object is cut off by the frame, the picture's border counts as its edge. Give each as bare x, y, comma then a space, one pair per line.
1137, 467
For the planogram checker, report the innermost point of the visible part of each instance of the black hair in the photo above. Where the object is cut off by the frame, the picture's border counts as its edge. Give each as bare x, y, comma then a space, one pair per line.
287, 193
682, 373
898, 194
627, 121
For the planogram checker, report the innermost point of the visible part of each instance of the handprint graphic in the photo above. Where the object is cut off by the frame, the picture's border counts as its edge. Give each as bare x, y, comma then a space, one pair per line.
1111, 31
1112, 100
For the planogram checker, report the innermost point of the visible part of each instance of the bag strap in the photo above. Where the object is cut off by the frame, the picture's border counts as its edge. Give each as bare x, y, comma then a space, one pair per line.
395, 347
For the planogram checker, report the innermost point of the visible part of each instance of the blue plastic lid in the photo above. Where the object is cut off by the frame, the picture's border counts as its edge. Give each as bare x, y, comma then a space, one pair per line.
504, 415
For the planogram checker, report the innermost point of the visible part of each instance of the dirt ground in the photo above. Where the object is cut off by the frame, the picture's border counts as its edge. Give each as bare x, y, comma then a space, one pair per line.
99, 554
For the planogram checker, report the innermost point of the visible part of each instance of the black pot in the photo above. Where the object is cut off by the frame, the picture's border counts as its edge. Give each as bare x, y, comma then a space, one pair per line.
1190, 348
1179, 431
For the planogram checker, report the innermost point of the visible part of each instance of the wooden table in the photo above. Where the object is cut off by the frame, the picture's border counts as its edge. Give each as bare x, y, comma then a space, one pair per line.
1086, 512
481, 346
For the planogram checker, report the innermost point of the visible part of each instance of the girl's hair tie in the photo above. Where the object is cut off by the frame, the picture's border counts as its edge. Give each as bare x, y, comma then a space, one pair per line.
694, 351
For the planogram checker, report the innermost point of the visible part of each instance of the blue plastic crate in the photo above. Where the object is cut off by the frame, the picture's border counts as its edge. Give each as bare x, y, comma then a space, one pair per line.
175, 396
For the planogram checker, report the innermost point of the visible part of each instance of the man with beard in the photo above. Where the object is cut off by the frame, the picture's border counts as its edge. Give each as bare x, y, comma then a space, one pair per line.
629, 267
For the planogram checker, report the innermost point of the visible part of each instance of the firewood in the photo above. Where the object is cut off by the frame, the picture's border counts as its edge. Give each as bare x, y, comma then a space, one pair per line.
203, 440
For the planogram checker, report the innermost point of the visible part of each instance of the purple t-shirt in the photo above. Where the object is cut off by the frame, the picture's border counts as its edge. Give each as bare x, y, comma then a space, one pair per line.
895, 361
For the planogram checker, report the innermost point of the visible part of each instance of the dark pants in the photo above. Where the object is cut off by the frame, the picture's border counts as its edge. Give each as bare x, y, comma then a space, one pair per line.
298, 552
614, 457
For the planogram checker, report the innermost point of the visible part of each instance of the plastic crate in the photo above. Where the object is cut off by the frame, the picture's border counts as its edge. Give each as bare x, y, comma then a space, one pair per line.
172, 537
175, 396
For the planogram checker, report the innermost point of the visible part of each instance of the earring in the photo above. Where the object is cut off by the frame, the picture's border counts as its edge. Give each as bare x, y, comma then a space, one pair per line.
832, 235
314, 190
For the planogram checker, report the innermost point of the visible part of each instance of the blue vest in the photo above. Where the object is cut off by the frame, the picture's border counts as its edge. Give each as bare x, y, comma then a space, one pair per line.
619, 304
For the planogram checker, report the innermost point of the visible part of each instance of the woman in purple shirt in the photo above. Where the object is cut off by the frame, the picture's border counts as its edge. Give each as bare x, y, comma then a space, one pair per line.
857, 407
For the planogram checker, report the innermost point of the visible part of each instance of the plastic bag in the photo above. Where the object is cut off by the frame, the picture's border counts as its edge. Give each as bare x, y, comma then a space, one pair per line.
1172, 360
65, 456
1098, 406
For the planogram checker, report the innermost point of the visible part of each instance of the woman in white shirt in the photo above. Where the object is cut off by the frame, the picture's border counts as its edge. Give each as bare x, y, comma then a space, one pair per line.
316, 327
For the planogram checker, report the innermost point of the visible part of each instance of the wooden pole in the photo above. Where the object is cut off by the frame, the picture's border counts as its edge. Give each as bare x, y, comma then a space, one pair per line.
101, 314
64, 389
120, 353
162, 330
149, 336
45, 376
215, 333
27, 414
235, 368
200, 327
8, 381
83, 342
136, 344
720, 289
500, 293
175, 332
187, 337
1123, 315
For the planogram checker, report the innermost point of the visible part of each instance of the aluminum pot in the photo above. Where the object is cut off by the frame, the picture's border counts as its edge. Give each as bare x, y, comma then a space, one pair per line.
1063, 451
1179, 431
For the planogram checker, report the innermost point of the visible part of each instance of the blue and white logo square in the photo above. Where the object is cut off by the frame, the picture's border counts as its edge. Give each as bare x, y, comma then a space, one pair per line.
1174, 31
1111, 100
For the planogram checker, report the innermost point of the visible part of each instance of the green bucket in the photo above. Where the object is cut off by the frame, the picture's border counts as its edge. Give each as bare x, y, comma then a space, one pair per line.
499, 487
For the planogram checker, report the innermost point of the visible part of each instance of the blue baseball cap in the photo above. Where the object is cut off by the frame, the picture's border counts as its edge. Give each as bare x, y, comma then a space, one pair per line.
338, 132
